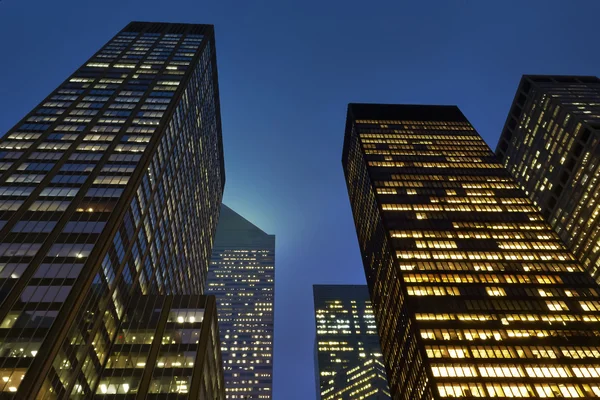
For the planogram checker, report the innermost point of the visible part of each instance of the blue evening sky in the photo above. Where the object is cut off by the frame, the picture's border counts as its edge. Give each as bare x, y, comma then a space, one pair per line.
287, 70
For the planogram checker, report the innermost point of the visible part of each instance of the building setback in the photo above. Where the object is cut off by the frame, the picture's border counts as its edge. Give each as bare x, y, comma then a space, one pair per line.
242, 277
347, 345
473, 292
109, 198
551, 145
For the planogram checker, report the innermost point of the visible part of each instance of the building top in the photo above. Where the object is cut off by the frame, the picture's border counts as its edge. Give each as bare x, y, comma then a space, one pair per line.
235, 230
356, 292
562, 78
168, 27
411, 112
552, 85
190, 29
397, 112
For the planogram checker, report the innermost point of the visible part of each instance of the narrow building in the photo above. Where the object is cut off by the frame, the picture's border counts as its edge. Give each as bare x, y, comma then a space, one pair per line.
242, 277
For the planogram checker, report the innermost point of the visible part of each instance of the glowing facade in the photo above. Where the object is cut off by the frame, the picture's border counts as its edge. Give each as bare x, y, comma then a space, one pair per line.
242, 277
551, 145
347, 350
109, 191
474, 294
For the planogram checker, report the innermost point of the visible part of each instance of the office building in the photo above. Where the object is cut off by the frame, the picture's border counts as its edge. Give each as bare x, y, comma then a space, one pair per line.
109, 192
550, 144
366, 381
346, 344
242, 277
179, 336
474, 294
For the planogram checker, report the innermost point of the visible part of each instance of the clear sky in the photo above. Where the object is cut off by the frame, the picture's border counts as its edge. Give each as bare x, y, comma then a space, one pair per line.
287, 70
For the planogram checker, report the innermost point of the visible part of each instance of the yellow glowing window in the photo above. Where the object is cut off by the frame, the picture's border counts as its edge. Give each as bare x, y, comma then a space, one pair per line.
492, 352
461, 390
434, 244
495, 291
586, 372
386, 191
508, 390
453, 370
556, 306
547, 371
590, 305
413, 254
428, 334
432, 291
501, 371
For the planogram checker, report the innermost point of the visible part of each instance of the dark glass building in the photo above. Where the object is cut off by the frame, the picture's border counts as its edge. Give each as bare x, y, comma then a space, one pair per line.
474, 294
551, 145
347, 351
366, 381
166, 347
242, 277
109, 194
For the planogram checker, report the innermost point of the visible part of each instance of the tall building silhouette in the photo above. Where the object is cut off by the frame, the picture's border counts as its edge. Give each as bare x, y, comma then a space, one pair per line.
473, 292
242, 277
109, 197
551, 145
348, 362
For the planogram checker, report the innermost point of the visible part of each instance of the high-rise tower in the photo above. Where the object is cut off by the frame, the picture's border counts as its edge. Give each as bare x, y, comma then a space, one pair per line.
551, 145
109, 193
348, 361
474, 294
242, 277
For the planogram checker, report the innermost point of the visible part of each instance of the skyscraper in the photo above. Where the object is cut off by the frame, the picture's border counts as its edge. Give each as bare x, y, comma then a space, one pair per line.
551, 145
166, 345
242, 277
109, 193
366, 381
474, 294
347, 351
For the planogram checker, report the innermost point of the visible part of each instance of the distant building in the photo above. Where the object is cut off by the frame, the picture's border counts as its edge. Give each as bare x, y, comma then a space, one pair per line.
366, 381
551, 145
474, 294
347, 344
110, 191
242, 277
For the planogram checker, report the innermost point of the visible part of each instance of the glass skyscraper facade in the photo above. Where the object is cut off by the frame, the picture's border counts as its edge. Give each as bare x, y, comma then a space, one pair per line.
474, 294
347, 350
109, 192
366, 381
242, 277
551, 145
167, 347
